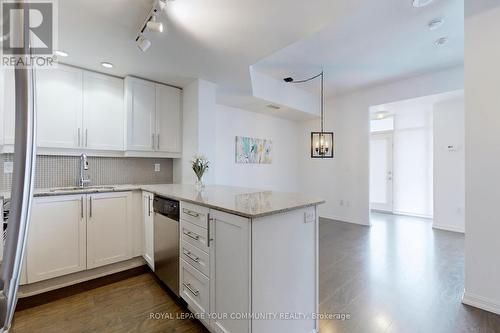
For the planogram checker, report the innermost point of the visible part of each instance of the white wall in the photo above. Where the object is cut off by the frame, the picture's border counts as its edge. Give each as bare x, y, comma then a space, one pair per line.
198, 130
482, 155
449, 165
281, 175
346, 178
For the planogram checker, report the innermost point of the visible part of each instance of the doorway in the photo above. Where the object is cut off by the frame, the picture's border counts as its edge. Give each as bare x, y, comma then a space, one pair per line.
381, 173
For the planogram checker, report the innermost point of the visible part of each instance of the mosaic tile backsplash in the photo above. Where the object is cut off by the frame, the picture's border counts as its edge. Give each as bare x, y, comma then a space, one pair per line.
63, 171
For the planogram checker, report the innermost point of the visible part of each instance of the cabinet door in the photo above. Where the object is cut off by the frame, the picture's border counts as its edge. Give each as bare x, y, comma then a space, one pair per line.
59, 107
229, 271
108, 228
141, 124
57, 237
8, 96
148, 221
168, 119
103, 112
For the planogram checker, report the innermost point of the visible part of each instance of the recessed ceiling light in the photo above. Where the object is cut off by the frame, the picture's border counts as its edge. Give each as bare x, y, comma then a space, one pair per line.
274, 107
421, 3
61, 53
106, 64
435, 23
441, 41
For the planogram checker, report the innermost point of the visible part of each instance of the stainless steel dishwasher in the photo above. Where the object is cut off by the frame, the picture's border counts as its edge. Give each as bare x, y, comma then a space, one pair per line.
166, 241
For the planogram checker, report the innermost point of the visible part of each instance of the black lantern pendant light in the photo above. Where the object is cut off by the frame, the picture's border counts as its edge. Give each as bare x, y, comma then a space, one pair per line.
322, 144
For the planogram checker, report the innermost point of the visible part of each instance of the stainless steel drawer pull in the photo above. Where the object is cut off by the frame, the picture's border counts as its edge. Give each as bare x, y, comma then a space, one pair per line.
190, 213
189, 287
192, 235
190, 256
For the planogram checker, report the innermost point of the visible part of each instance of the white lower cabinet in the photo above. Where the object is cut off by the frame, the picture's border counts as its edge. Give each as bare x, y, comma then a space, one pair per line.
148, 226
57, 237
229, 271
215, 267
108, 228
194, 289
72, 233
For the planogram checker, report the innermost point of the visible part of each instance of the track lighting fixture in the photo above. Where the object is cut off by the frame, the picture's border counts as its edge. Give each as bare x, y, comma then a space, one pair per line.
151, 23
143, 43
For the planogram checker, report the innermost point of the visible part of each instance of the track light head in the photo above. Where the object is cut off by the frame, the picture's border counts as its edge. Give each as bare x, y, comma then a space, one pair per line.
288, 79
154, 25
143, 43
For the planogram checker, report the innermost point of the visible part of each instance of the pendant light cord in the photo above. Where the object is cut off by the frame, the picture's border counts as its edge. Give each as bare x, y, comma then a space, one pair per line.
322, 74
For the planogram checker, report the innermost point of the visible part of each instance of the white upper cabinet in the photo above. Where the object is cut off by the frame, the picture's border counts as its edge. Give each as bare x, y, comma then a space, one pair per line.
59, 107
103, 112
140, 99
168, 119
154, 117
8, 105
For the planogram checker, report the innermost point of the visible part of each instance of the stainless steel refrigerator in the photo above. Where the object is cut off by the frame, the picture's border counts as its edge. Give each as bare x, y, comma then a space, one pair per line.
22, 182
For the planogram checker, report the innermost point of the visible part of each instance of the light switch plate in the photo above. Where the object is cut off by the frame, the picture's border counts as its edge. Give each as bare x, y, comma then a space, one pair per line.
8, 167
157, 167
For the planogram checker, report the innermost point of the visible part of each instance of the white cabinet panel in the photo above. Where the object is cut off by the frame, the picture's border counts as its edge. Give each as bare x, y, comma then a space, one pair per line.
8, 105
57, 237
229, 270
59, 107
141, 109
168, 119
108, 228
103, 112
148, 219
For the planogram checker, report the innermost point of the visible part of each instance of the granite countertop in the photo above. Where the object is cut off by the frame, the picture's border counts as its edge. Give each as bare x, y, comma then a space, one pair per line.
250, 203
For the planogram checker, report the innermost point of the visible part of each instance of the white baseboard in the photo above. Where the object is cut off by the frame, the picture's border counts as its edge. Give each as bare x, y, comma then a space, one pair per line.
346, 220
397, 212
449, 228
481, 302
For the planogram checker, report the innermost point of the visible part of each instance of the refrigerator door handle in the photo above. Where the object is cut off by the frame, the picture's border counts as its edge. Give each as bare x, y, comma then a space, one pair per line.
22, 189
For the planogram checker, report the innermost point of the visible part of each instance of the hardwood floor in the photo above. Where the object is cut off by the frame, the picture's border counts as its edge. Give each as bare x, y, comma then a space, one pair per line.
399, 275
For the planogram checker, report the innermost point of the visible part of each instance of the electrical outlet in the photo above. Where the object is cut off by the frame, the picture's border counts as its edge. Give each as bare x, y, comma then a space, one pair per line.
157, 167
309, 217
8, 167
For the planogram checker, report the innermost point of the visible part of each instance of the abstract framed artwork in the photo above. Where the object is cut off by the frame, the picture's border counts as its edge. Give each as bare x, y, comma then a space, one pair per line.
253, 150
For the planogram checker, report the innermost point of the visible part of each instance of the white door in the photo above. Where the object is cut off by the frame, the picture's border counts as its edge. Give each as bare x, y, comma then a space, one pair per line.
168, 119
229, 271
57, 237
381, 172
59, 107
103, 112
141, 109
148, 220
108, 228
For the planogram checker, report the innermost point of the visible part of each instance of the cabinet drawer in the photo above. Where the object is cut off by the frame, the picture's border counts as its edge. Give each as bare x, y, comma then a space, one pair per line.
196, 257
194, 288
195, 214
194, 235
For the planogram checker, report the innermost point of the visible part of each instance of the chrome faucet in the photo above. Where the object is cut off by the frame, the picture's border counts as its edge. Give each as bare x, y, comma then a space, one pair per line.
84, 165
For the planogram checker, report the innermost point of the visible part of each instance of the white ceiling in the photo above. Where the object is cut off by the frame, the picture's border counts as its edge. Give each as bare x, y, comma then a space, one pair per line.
385, 41
216, 40
359, 42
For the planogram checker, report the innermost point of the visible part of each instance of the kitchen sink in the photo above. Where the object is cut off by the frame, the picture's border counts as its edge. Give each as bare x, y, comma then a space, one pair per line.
87, 188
